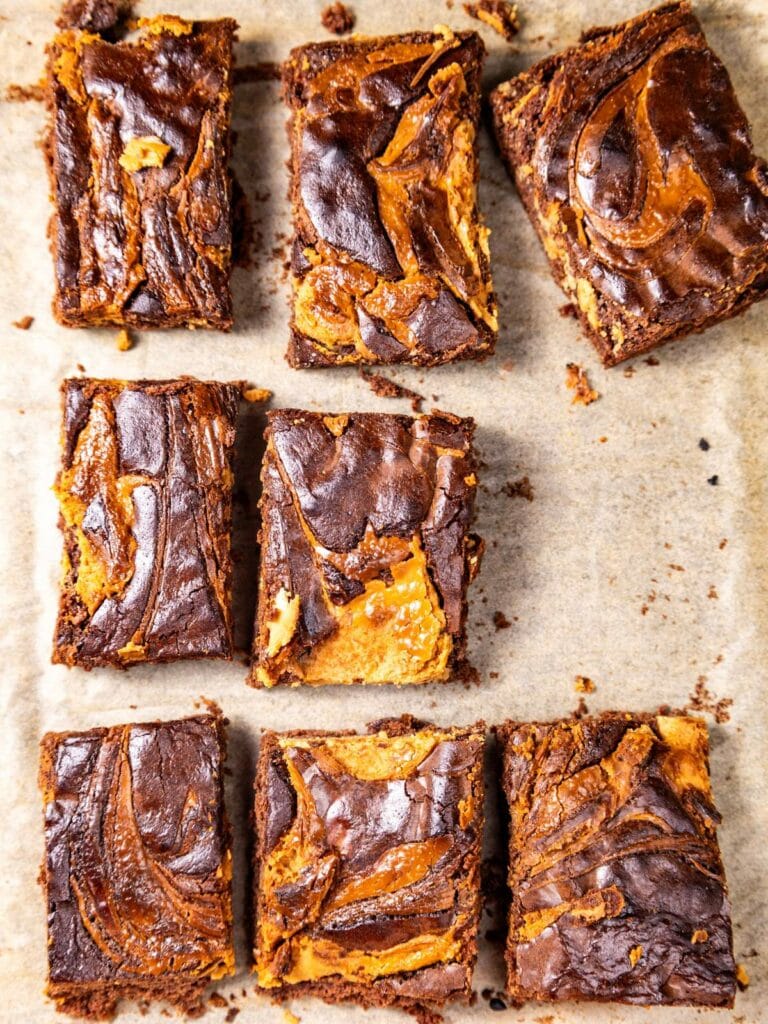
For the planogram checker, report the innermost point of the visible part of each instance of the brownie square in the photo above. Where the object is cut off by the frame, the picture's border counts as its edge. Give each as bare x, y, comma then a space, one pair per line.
367, 864
145, 497
618, 890
137, 870
634, 161
390, 256
366, 553
137, 148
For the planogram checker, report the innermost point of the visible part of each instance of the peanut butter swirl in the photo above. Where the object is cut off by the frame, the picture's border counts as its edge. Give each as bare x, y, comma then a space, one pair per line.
367, 861
390, 258
615, 871
137, 867
635, 161
145, 499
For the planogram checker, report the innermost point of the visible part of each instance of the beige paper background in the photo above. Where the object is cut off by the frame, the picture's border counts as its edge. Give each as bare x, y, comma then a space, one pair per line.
574, 567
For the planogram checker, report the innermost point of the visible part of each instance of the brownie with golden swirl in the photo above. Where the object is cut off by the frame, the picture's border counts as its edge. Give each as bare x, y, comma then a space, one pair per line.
145, 500
137, 871
137, 149
366, 548
618, 889
367, 864
390, 256
634, 161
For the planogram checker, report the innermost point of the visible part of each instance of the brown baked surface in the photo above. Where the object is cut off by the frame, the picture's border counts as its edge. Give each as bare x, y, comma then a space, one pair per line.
137, 870
367, 863
138, 146
390, 256
635, 163
366, 553
618, 890
145, 498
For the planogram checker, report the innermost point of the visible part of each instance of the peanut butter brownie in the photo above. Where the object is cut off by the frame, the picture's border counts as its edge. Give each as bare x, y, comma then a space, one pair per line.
137, 149
618, 890
368, 864
634, 161
390, 256
145, 495
137, 870
366, 553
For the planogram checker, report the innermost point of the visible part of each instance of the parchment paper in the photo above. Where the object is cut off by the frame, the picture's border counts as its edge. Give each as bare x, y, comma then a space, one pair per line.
627, 567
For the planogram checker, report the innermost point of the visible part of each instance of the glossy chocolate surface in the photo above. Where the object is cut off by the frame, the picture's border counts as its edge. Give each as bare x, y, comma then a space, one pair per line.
137, 866
145, 497
618, 890
390, 259
351, 504
635, 163
379, 894
138, 149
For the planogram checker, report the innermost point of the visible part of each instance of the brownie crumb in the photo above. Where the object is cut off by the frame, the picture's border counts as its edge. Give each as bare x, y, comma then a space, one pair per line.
25, 93
722, 543
264, 71
24, 323
521, 488
104, 17
704, 444
742, 978
232, 1012
338, 18
386, 388
497, 1004
713, 480
651, 361
576, 380
700, 699
581, 709
568, 310
629, 371
500, 15
80, 368
493, 675
712, 593
290, 1018
217, 1000
257, 394
501, 621
124, 341
583, 684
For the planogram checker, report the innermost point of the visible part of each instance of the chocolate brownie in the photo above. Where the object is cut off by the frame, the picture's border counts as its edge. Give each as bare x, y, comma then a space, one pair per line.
390, 256
137, 870
145, 496
137, 148
366, 550
367, 866
618, 890
634, 161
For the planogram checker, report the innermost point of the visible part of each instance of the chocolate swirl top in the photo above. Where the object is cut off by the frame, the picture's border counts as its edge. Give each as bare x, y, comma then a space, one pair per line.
137, 869
634, 157
618, 891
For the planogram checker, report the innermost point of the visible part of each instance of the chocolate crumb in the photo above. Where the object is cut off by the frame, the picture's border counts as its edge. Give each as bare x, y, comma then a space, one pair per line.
568, 310
722, 543
497, 1004
651, 361
700, 699
494, 675
232, 1012
712, 593
386, 388
576, 380
24, 323
581, 709
501, 621
80, 367
629, 371
264, 71
518, 489
217, 999
704, 444
25, 93
338, 18
713, 480
500, 15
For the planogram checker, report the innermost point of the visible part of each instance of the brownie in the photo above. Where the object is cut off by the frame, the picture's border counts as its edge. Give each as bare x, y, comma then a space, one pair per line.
137, 870
618, 890
145, 497
366, 553
634, 161
390, 256
137, 148
367, 864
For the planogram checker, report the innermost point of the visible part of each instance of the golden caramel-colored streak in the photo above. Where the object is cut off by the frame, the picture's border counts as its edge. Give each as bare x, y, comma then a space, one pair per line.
593, 906
144, 151
373, 757
281, 625
397, 868
685, 765
104, 568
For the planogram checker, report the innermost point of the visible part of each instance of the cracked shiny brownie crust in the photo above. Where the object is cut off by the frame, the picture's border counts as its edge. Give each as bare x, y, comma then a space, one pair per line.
366, 553
138, 147
390, 257
137, 870
635, 163
367, 863
145, 498
618, 890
